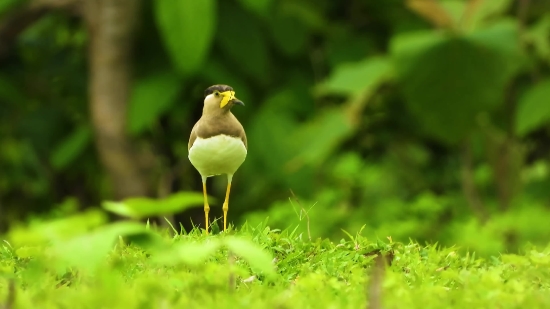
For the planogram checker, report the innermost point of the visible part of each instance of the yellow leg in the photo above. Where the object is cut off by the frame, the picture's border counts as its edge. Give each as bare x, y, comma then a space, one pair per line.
226, 205
206, 207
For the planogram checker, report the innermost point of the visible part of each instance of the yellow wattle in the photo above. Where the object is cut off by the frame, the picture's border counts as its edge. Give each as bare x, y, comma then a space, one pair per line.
226, 97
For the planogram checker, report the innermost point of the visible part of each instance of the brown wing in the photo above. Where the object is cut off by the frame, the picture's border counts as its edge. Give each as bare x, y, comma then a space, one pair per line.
193, 136
234, 128
243, 138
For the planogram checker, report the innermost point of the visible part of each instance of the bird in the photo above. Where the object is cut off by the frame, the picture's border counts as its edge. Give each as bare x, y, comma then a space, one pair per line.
217, 144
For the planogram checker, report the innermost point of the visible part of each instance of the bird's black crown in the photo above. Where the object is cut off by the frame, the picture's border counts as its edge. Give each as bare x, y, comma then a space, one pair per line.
220, 88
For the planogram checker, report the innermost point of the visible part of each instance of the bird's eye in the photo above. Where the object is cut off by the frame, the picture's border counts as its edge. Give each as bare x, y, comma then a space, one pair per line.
217, 93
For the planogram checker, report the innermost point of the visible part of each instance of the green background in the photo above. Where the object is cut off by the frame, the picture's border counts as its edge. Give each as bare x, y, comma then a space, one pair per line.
427, 120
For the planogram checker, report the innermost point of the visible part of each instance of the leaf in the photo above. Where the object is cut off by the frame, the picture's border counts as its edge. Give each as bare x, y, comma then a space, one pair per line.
271, 147
191, 254
89, 250
71, 147
151, 97
318, 138
132, 207
182, 200
485, 9
187, 28
534, 108
260, 7
40, 232
241, 38
408, 47
539, 36
252, 253
354, 78
143, 207
455, 9
502, 38
432, 11
448, 81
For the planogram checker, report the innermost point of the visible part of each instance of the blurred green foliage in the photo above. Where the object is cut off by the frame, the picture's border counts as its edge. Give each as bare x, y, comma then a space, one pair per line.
419, 119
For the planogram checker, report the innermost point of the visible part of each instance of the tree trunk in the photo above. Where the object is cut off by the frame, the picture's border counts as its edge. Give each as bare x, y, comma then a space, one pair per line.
110, 28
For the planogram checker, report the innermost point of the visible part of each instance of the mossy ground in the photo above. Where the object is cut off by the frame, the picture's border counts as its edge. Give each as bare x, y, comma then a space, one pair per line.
259, 268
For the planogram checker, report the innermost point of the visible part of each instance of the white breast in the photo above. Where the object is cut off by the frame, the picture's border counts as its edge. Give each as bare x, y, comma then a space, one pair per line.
220, 154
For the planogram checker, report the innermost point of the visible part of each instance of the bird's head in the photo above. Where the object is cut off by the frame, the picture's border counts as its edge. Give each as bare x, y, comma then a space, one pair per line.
220, 97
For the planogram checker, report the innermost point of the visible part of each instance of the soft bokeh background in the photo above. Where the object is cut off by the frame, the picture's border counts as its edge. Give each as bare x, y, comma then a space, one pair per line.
414, 119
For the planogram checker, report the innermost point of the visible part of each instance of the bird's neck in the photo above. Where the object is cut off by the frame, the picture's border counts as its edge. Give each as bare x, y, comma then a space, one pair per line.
216, 112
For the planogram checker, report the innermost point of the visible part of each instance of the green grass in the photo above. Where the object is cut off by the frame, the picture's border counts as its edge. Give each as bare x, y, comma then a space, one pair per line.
81, 263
